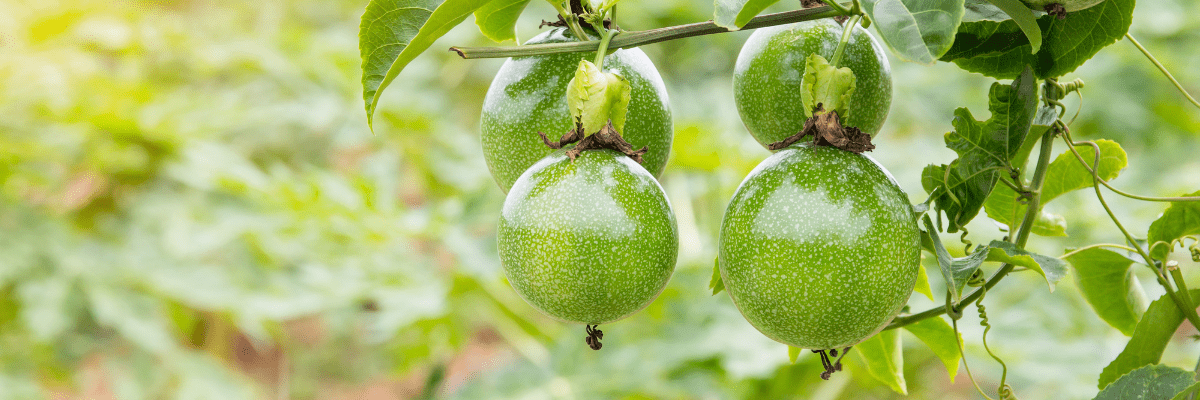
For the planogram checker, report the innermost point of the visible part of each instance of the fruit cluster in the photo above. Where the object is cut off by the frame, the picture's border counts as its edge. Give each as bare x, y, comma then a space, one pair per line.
819, 247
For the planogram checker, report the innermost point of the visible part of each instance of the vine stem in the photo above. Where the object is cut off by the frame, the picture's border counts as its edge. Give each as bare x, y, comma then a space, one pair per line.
1163, 69
1185, 305
571, 19
640, 38
1031, 213
1098, 245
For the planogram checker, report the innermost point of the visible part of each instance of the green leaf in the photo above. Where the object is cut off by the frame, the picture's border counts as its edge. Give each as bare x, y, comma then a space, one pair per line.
939, 336
956, 271
1002, 206
393, 32
1110, 287
1001, 50
498, 19
1187, 394
1045, 117
1181, 219
1152, 382
922, 285
1024, 19
984, 148
733, 14
1051, 268
917, 30
827, 85
716, 284
884, 359
1063, 175
595, 97
982, 10
793, 353
1149, 339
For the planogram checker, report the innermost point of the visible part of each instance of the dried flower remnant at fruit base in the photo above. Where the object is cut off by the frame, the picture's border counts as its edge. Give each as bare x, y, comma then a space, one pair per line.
827, 130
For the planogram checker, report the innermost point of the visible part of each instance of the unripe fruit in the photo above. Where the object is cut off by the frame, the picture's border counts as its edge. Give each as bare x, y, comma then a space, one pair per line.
528, 96
591, 240
819, 247
770, 67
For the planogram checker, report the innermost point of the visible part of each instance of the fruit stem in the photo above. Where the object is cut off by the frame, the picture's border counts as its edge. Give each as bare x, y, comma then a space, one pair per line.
639, 38
846, 30
1163, 69
606, 38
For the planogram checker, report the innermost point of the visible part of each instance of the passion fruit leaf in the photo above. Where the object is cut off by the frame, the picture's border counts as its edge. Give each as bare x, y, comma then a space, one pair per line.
717, 285
1149, 339
1024, 19
1003, 207
498, 19
1063, 175
594, 97
917, 30
1179, 220
956, 271
826, 85
984, 148
1045, 117
884, 359
1001, 50
922, 286
393, 32
793, 353
1110, 287
733, 14
1149, 382
982, 10
1051, 268
1188, 394
940, 337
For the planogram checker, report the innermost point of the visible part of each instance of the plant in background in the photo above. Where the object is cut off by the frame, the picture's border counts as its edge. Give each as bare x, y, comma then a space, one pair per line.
997, 170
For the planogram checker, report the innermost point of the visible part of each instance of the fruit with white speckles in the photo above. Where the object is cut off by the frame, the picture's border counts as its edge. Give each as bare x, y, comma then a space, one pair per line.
528, 96
1068, 5
591, 240
819, 247
770, 67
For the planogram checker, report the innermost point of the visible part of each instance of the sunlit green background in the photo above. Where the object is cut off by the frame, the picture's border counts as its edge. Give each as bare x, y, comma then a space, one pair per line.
192, 206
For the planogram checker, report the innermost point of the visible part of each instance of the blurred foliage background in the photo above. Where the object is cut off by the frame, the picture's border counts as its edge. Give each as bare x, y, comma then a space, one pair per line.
192, 207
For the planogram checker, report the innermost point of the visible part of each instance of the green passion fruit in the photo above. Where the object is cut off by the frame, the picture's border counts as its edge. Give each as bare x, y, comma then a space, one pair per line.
528, 96
588, 241
819, 247
770, 68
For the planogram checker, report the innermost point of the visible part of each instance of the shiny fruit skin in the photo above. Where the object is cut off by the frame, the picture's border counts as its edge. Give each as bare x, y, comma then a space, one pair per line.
770, 67
819, 247
589, 241
528, 96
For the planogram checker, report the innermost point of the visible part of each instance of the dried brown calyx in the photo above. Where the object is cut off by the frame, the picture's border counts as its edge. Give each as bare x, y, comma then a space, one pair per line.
827, 130
560, 23
606, 138
1057, 10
